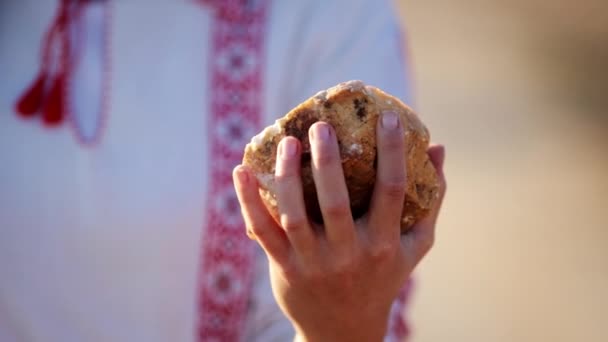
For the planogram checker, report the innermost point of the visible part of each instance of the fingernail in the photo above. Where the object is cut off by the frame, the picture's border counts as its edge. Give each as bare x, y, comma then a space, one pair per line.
390, 120
321, 132
288, 148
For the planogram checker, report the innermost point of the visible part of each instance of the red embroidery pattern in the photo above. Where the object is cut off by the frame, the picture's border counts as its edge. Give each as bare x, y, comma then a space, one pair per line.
236, 62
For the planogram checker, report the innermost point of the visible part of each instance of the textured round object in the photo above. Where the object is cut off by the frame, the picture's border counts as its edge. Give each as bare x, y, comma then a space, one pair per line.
352, 109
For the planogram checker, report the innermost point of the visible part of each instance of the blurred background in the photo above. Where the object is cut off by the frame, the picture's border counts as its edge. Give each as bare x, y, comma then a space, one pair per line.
518, 92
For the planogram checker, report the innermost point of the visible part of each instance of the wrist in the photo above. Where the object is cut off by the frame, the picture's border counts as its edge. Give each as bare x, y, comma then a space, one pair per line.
336, 336
361, 330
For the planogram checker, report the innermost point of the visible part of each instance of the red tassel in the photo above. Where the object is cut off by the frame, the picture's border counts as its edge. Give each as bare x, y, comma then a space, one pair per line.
54, 107
32, 99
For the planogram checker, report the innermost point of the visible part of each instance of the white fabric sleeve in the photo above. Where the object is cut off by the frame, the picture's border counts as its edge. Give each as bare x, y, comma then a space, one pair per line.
340, 40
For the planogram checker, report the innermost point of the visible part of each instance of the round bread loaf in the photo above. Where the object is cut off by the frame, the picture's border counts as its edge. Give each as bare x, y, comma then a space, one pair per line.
352, 108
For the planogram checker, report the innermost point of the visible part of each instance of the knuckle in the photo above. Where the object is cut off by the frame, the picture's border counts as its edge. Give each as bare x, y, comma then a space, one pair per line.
394, 189
383, 251
293, 224
344, 267
337, 210
256, 230
285, 177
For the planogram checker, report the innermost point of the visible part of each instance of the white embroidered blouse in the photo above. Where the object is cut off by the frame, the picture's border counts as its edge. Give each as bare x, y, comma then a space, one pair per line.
104, 216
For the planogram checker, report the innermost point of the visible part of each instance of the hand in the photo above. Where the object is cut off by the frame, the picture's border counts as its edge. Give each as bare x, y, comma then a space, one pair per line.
338, 283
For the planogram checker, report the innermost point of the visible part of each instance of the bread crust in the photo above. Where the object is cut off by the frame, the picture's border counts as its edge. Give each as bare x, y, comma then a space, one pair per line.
352, 108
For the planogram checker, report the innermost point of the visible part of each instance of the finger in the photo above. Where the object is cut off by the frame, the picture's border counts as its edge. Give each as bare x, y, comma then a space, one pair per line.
258, 220
389, 191
290, 199
331, 186
422, 235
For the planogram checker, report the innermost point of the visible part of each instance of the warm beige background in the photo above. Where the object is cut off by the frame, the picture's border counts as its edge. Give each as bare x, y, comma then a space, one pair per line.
518, 91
